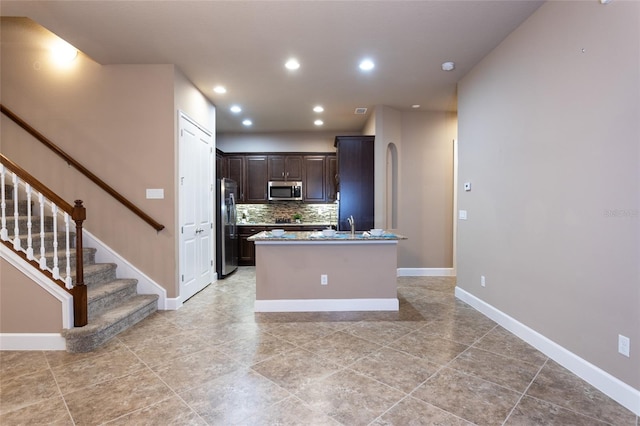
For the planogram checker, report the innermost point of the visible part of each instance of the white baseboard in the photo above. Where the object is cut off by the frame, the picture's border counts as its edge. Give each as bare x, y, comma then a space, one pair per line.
326, 305
171, 304
426, 272
32, 342
106, 254
616, 389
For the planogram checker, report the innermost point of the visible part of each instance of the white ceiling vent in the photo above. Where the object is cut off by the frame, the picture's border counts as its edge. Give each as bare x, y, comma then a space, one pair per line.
360, 111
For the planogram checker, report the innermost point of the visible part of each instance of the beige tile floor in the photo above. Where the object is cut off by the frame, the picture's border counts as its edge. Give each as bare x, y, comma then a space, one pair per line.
435, 362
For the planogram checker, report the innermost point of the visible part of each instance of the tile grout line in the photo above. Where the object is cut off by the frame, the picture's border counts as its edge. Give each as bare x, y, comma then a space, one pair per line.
524, 392
64, 400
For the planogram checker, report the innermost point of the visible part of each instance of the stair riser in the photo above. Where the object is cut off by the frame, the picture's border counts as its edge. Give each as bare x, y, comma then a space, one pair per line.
88, 258
35, 224
98, 277
103, 304
22, 208
36, 241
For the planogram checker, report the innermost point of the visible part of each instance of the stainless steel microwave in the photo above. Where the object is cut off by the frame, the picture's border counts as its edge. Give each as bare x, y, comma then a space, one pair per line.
283, 191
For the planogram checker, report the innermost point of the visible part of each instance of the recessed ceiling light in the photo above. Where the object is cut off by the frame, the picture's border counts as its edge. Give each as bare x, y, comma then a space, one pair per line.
235, 109
220, 89
415, 106
247, 122
318, 108
318, 122
448, 66
367, 65
292, 64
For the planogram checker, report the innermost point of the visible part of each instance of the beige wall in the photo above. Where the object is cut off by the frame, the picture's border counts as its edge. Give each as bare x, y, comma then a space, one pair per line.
20, 298
549, 137
424, 141
277, 142
117, 120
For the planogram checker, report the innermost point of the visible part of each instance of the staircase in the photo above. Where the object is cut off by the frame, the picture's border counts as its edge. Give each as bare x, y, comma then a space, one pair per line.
113, 303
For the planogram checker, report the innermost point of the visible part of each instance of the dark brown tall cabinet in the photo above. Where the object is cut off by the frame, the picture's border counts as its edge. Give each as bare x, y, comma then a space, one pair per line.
355, 181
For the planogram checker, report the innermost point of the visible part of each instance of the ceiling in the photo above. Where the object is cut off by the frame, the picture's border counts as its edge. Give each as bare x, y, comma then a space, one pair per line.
243, 45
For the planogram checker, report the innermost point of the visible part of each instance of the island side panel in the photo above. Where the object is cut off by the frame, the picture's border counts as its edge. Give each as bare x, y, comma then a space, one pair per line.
354, 271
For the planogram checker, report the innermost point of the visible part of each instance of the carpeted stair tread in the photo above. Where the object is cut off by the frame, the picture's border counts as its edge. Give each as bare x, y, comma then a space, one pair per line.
96, 273
110, 323
109, 295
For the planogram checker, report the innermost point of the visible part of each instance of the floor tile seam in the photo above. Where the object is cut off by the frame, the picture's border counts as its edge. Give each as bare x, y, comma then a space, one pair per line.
27, 405
142, 367
410, 396
524, 393
559, 405
604, 422
64, 400
144, 408
3, 380
448, 365
385, 344
372, 422
359, 373
510, 358
484, 379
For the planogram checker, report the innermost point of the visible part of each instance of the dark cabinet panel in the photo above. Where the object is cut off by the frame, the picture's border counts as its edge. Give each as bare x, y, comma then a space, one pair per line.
332, 183
356, 181
235, 171
285, 167
257, 178
247, 249
314, 182
221, 166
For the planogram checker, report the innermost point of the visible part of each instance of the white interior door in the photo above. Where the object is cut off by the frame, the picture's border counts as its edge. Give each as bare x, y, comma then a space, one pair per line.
196, 207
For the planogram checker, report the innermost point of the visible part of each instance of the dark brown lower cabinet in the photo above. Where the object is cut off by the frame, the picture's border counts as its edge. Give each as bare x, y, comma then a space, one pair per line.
247, 249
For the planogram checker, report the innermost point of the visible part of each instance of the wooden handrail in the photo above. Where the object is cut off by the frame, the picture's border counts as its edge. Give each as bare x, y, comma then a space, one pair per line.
70, 160
78, 215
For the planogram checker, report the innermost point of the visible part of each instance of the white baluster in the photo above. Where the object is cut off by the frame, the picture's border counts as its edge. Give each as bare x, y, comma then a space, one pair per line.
29, 225
16, 229
43, 259
3, 230
67, 279
55, 270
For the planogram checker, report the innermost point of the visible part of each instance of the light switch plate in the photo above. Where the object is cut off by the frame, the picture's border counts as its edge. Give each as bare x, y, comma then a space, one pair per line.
462, 214
155, 194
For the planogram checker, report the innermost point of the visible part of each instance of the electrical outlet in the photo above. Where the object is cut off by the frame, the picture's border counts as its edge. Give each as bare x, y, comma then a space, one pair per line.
483, 282
324, 280
623, 345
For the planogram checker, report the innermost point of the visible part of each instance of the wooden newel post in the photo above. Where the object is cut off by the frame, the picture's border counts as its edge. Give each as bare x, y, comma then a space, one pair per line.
80, 310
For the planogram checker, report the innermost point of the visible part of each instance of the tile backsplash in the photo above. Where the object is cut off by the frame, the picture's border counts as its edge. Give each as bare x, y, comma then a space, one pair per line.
268, 213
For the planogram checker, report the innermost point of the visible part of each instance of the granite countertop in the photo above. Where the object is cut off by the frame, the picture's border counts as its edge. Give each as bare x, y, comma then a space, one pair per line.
319, 237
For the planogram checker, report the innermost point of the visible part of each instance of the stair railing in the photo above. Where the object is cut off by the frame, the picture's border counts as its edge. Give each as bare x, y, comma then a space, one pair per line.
29, 191
82, 169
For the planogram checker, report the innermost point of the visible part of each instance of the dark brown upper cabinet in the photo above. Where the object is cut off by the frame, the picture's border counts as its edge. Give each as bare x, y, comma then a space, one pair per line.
285, 167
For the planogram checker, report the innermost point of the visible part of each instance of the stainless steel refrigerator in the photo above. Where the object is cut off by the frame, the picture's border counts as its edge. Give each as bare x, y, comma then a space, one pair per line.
226, 229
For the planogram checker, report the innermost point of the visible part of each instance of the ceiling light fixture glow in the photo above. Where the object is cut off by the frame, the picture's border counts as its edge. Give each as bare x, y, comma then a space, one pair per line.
448, 66
367, 65
318, 108
220, 89
63, 53
247, 122
415, 106
318, 122
292, 64
235, 109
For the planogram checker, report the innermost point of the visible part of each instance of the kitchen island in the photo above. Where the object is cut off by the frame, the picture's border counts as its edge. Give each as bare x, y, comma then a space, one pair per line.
308, 272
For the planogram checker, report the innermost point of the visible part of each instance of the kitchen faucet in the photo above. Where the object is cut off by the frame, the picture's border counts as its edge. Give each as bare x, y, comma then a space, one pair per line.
352, 222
